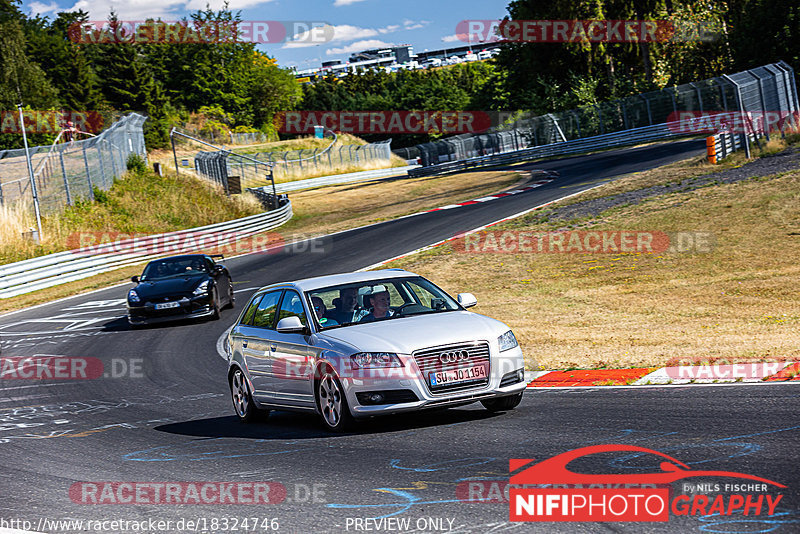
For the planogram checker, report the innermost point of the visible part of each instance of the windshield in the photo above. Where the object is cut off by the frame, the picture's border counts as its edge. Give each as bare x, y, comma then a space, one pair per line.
377, 300
170, 267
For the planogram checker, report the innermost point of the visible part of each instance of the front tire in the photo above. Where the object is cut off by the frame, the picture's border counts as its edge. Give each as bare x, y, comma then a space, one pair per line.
243, 403
215, 304
503, 404
332, 402
231, 298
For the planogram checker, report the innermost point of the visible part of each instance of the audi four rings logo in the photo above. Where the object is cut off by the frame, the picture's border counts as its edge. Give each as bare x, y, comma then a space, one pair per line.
453, 357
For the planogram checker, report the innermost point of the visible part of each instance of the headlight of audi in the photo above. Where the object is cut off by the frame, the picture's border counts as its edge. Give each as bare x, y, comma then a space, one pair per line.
133, 296
372, 360
202, 288
507, 341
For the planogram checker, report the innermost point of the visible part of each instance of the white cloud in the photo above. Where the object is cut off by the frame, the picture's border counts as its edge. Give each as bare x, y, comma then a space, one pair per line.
339, 3
343, 33
456, 37
39, 8
414, 25
357, 47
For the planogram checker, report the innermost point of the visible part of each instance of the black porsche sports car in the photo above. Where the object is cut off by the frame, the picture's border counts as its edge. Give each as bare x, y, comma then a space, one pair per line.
180, 287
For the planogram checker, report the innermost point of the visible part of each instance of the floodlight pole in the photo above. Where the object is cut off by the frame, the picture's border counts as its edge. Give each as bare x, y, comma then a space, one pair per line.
30, 174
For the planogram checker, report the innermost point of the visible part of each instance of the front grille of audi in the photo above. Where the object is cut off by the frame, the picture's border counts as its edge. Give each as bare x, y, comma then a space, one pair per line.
429, 361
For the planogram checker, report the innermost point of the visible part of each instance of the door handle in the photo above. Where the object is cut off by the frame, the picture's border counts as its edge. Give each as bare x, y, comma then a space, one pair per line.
244, 344
274, 348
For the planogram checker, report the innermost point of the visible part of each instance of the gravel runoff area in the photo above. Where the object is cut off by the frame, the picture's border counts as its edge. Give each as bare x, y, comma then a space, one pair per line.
784, 161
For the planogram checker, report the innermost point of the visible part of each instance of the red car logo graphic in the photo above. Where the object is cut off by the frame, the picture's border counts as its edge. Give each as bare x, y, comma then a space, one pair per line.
554, 470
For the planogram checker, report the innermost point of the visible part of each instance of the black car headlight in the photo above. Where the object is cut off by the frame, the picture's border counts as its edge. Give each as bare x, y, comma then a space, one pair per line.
202, 288
133, 296
373, 360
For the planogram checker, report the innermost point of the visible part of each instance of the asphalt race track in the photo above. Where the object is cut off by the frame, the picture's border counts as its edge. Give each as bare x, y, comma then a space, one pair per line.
162, 412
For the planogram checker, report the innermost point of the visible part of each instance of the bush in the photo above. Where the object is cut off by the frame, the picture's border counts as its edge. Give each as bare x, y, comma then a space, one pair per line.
136, 164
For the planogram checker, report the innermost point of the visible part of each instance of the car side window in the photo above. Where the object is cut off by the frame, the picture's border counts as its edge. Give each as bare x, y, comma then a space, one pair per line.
292, 306
265, 314
247, 318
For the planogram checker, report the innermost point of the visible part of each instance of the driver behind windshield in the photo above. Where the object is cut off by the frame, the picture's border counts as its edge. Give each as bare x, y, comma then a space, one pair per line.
345, 310
196, 265
379, 298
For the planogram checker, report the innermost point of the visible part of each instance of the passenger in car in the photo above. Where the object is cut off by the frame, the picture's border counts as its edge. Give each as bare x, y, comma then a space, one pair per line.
319, 310
379, 298
345, 310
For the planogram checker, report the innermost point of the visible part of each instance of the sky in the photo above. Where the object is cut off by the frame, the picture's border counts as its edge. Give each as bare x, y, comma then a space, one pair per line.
351, 25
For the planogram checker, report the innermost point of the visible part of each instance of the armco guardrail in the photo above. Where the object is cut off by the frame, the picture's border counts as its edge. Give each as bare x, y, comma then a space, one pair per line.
56, 269
588, 144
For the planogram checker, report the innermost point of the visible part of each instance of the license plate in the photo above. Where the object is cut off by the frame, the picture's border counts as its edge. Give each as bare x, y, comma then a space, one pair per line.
462, 374
167, 305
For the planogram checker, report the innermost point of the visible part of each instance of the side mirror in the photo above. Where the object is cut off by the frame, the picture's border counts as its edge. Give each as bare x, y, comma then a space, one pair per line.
290, 325
135, 279
467, 300
219, 268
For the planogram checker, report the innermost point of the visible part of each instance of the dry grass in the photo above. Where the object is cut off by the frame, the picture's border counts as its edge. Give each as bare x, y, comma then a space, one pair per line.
143, 204
330, 209
325, 210
737, 303
675, 172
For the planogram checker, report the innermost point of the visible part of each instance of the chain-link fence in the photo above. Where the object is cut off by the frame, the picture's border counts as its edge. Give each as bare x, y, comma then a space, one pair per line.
216, 137
67, 172
770, 89
253, 170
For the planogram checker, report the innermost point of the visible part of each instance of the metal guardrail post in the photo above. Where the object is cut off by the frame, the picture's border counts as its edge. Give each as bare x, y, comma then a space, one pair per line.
647, 105
64, 174
763, 104
789, 73
600, 118
88, 174
699, 96
740, 104
722, 93
102, 165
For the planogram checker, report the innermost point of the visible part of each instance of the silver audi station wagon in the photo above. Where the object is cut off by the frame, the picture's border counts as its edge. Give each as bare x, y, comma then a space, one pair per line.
356, 345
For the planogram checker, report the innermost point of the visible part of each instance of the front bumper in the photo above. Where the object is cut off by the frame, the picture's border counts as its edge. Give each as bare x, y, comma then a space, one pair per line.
188, 308
510, 361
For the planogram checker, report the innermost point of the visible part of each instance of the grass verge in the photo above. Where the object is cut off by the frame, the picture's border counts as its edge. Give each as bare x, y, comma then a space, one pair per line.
140, 202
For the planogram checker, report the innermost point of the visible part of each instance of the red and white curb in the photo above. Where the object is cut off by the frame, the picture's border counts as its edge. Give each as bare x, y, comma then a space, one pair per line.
533, 185
681, 374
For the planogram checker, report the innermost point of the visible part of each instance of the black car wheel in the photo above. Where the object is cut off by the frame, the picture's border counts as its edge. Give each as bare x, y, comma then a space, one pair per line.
215, 304
332, 402
231, 298
242, 399
503, 404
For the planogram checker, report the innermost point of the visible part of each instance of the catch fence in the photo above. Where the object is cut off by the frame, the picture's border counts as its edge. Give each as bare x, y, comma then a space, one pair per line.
770, 89
67, 172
